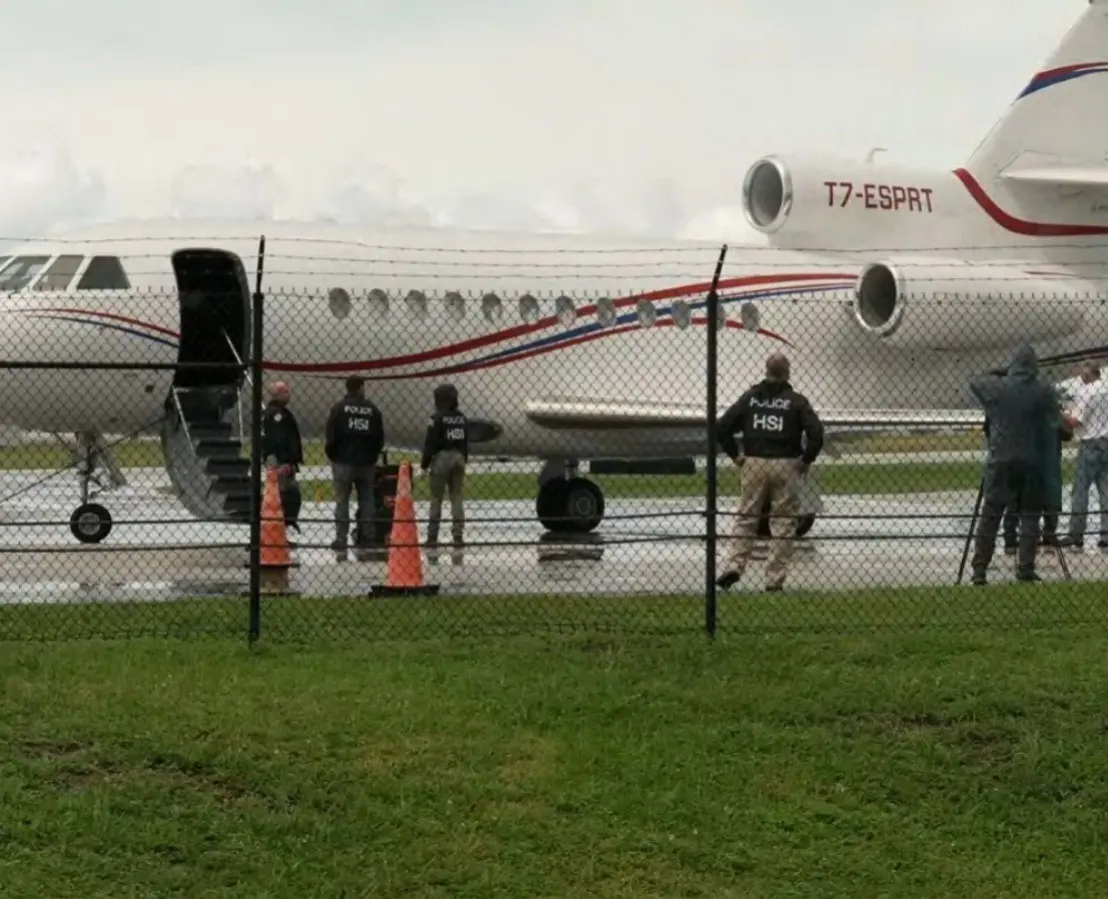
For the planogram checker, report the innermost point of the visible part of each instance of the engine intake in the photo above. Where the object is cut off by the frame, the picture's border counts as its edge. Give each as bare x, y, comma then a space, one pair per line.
767, 195
953, 305
878, 303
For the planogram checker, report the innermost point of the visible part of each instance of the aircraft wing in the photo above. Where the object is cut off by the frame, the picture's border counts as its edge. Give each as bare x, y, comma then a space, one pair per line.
566, 413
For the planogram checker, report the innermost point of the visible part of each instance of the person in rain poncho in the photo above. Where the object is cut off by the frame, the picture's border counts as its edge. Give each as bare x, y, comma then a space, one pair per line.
1025, 418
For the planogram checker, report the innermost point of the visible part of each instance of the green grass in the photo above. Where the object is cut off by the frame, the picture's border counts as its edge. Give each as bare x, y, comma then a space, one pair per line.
954, 763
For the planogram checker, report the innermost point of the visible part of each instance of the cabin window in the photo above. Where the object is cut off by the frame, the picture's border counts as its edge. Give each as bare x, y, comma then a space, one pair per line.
682, 314
60, 273
455, 305
646, 312
104, 273
21, 271
529, 309
605, 311
565, 310
491, 308
417, 303
750, 317
339, 302
378, 301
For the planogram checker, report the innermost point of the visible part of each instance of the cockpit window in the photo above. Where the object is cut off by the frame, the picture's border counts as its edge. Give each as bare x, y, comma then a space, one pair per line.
20, 271
104, 273
60, 273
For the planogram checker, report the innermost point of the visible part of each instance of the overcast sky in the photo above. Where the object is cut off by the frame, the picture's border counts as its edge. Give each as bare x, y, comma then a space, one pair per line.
625, 114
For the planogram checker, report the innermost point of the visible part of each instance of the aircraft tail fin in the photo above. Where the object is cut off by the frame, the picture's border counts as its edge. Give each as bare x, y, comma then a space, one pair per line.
1055, 133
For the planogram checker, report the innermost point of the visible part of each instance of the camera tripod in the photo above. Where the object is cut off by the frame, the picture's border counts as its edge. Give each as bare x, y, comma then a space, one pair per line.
1061, 556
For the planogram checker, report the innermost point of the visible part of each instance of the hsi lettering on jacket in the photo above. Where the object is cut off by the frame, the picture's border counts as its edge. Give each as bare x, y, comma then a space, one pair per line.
355, 433
774, 421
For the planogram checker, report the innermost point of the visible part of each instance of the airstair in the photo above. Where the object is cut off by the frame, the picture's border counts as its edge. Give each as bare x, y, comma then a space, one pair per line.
203, 438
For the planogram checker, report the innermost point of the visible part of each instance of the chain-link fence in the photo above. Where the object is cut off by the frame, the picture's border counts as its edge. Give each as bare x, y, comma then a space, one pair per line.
141, 374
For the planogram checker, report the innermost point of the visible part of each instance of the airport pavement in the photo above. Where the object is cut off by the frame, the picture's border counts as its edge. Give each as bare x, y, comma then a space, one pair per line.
157, 552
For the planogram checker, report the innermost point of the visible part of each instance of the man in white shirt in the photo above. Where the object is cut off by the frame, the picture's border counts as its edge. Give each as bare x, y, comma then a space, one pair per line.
1089, 418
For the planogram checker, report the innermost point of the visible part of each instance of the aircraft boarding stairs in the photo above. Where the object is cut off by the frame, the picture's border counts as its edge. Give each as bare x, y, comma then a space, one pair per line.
203, 439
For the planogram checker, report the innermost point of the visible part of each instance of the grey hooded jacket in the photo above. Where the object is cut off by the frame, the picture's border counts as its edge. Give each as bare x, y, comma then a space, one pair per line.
1023, 413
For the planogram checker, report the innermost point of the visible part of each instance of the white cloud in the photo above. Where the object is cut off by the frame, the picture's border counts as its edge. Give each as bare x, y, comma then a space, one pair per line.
43, 186
248, 191
611, 115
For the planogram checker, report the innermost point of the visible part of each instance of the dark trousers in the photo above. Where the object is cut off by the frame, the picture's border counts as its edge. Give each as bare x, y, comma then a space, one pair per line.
1011, 525
290, 499
1019, 486
347, 479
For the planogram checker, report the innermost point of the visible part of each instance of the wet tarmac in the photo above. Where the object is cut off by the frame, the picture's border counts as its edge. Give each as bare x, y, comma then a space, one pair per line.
156, 551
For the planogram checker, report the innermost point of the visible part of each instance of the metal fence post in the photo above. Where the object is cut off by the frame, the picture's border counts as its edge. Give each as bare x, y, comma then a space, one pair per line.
713, 309
257, 373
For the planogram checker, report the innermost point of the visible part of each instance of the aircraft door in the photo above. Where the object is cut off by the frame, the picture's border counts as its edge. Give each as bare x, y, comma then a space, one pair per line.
214, 297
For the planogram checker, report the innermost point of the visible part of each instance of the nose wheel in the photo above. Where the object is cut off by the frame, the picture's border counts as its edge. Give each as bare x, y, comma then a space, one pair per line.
90, 523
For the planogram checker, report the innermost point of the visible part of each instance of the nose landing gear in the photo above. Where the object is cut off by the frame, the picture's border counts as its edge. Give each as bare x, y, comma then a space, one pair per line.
90, 521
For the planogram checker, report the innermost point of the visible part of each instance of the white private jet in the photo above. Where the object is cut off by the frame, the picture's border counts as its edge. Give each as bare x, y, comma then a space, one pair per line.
570, 348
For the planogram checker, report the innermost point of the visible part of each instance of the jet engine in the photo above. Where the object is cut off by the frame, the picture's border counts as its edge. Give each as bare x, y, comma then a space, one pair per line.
823, 199
953, 305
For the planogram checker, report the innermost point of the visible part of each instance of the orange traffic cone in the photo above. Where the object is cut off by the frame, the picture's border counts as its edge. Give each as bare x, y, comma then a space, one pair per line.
405, 566
276, 559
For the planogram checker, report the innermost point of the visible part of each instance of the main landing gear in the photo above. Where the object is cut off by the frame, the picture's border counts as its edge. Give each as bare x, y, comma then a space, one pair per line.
90, 521
568, 503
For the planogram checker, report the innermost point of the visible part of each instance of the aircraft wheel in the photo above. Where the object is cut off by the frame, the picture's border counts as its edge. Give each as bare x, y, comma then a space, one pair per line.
804, 524
90, 523
584, 505
550, 507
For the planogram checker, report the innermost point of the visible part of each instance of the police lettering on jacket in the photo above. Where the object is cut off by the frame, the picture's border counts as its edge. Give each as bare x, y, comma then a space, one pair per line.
446, 431
355, 432
773, 420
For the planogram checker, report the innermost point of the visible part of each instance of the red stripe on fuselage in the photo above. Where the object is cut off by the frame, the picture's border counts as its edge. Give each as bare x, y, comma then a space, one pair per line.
1017, 225
111, 316
541, 351
486, 340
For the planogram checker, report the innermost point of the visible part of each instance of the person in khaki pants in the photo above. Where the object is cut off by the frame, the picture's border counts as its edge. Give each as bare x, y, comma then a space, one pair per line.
774, 421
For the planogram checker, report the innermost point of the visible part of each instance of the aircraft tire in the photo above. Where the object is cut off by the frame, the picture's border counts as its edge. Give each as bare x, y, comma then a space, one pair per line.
584, 505
550, 506
575, 506
90, 523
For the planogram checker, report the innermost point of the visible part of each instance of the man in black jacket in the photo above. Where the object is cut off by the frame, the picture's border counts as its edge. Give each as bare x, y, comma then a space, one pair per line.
445, 453
282, 449
774, 421
354, 439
